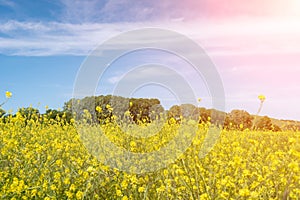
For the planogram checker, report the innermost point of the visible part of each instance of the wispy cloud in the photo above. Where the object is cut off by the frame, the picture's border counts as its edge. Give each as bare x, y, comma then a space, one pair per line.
233, 38
240, 29
40, 39
110, 11
115, 79
81, 11
7, 3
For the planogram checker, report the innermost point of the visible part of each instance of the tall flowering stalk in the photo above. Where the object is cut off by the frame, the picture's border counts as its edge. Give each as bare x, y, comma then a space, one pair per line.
8, 95
262, 99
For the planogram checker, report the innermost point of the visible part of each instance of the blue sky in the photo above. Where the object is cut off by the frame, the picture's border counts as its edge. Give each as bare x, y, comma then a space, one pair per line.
38, 81
254, 45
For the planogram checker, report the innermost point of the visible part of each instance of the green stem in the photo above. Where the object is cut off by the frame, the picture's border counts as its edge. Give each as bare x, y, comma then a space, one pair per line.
4, 102
255, 117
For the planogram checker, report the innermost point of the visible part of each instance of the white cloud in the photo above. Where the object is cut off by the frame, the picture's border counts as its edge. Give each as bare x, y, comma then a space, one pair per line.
239, 37
38, 39
80, 11
114, 79
85, 24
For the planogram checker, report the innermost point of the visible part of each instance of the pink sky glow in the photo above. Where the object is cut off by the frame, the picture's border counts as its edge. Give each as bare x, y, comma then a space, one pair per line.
256, 48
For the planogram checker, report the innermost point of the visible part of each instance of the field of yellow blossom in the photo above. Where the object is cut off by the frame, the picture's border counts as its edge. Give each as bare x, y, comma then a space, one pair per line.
46, 159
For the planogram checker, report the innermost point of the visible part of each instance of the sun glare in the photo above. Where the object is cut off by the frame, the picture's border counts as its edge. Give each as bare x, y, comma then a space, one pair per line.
294, 8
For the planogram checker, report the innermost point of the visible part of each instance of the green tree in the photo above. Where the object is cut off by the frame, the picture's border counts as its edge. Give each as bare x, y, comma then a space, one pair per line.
115, 107
157, 112
29, 113
276, 128
186, 111
205, 115
238, 120
56, 114
265, 123
189, 111
141, 109
217, 117
175, 113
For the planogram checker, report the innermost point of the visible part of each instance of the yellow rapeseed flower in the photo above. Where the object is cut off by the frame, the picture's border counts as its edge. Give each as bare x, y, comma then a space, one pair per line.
98, 109
244, 192
125, 198
124, 184
119, 193
53, 187
261, 97
79, 195
108, 107
8, 94
241, 126
141, 189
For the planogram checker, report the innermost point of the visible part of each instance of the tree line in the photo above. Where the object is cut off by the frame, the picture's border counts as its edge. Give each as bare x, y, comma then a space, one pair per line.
104, 109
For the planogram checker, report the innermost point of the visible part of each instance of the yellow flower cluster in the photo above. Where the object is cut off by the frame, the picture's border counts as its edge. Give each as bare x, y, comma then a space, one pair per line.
261, 97
8, 94
47, 160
